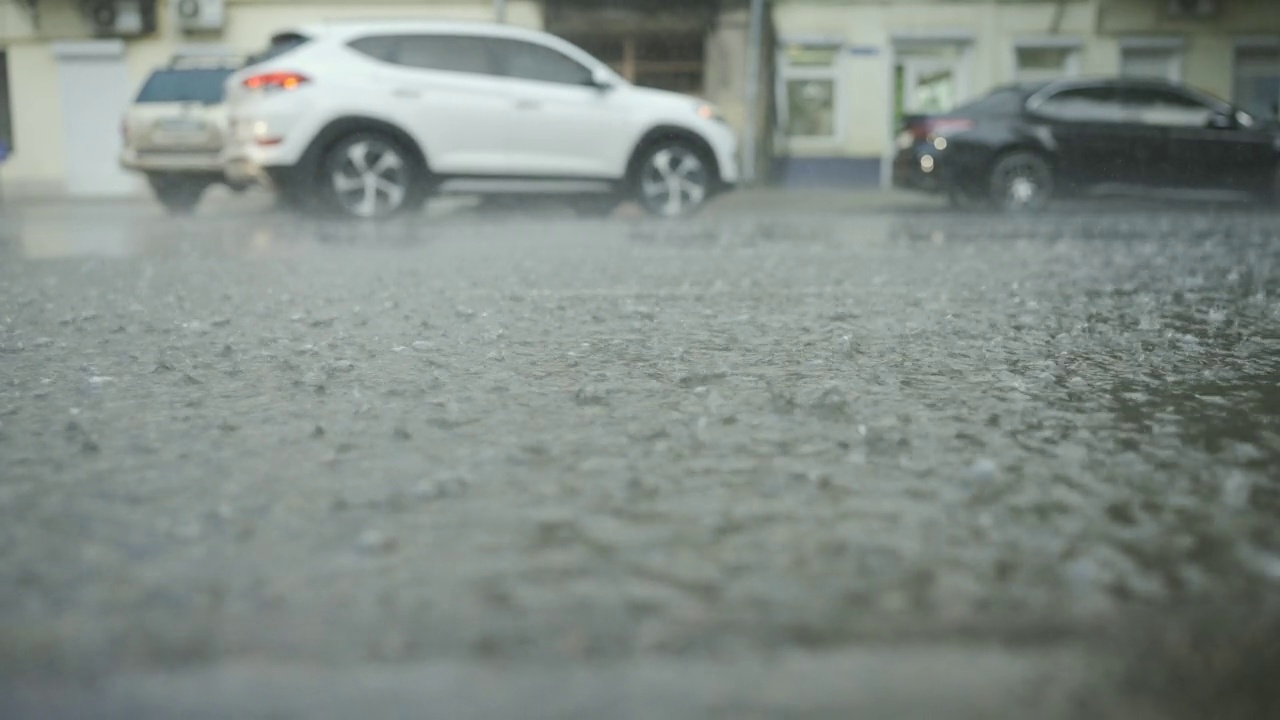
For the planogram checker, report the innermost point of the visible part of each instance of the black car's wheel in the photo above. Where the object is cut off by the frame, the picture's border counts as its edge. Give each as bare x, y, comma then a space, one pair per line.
371, 176
1021, 182
673, 179
179, 195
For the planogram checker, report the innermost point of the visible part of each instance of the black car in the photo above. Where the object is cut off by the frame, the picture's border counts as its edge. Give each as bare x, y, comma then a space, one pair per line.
1020, 145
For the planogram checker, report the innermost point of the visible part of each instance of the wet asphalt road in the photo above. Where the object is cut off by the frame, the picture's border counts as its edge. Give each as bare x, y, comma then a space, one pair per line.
732, 463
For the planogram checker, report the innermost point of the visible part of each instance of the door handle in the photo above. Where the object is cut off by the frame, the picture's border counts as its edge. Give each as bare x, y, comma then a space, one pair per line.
406, 93
528, 105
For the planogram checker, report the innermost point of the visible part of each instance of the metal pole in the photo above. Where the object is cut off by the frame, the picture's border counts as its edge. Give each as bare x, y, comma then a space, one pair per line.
500, 10
754, 52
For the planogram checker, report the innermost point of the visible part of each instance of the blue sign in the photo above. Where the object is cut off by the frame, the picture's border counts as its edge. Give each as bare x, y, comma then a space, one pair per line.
4, 151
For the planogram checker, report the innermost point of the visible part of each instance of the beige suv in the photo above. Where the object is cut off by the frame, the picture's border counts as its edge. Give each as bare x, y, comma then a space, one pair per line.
175, 128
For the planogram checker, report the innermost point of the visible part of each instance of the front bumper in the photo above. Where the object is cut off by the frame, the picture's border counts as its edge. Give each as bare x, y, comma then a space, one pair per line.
917, 169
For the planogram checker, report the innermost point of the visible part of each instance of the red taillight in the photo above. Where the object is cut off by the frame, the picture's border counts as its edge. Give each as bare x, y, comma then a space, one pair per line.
275, 81
944, 127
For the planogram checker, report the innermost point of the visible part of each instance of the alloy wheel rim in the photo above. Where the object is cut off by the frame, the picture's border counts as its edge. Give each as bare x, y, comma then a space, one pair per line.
371, 179
1023, 186
674, 181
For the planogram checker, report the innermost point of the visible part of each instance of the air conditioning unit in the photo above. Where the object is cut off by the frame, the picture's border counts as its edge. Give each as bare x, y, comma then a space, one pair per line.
121, 18
201, 15
1192, 9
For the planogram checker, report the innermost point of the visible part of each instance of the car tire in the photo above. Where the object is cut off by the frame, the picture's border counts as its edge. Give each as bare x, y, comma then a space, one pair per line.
673, 179
1021, 182
179, 195
371, 176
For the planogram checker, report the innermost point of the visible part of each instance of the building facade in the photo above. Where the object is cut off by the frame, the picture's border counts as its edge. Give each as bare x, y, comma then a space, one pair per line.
837, 75
69, 68
848, 70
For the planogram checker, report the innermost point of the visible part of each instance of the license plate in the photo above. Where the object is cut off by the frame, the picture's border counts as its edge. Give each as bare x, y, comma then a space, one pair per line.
181, 127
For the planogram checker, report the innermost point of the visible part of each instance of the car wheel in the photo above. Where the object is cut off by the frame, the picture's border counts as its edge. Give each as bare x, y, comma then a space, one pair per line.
179, 195
371, 176
673, 180
1021, 182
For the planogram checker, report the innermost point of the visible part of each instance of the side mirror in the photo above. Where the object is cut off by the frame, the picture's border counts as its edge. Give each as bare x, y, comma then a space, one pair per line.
602, 79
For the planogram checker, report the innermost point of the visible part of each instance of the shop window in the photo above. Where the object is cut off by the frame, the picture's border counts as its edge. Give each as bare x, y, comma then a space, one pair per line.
810, 91
1035, 63
1257, 80
1159, 63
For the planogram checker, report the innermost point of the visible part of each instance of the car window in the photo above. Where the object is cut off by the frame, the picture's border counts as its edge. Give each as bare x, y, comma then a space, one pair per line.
1096, 103
528, 61
1166, 108
429, 52
1001, 101
280, 44
380, 47
203, 86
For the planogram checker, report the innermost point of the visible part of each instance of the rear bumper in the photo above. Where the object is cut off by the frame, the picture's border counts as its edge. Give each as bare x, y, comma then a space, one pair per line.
172, 162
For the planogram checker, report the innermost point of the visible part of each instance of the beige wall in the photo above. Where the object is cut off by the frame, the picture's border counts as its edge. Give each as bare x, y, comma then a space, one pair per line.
36, 165
36, 162
995, 25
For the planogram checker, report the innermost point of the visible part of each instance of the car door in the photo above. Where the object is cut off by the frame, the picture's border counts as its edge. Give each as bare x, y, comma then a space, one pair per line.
1093, 141
443, 89
1208, 145
562, 125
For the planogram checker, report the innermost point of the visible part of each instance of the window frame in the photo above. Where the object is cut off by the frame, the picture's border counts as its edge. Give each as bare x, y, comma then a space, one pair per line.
786, 73
1175, 46
1073, 45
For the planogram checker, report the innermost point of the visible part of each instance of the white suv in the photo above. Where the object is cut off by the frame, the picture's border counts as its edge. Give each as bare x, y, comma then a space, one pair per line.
370, 118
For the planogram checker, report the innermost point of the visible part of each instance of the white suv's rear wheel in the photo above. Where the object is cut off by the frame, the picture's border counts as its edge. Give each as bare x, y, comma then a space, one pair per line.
673, 180
371, 176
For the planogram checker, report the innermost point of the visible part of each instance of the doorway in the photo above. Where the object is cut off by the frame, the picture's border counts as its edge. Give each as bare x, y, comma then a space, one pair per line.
94, 86
1257, 80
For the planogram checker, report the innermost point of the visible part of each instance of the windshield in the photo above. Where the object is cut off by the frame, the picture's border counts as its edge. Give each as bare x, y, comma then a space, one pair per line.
202, 86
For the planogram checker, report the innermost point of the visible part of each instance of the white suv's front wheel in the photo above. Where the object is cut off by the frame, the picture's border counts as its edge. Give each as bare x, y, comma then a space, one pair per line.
370, 176
673, 180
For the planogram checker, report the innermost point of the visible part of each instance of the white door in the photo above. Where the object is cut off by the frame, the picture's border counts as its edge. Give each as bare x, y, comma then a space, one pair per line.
560, 124
445, 89
94, 86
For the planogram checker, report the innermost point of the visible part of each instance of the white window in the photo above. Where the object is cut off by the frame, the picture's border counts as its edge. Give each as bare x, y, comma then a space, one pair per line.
1152, 58
1047, 59
809, 91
